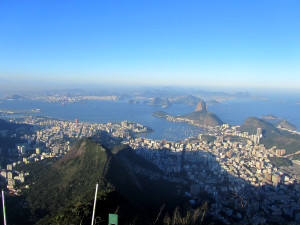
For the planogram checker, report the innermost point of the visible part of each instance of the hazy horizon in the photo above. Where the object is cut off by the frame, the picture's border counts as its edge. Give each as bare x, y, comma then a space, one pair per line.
240, 45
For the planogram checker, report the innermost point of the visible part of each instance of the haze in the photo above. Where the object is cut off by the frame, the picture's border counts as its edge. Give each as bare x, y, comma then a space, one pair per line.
223, 44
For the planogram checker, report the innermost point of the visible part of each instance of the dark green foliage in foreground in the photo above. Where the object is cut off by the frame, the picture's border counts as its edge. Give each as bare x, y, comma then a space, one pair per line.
277, 161
15, 128
127, 214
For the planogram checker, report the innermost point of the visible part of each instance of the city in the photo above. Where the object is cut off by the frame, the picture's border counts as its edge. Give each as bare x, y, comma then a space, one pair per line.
231, 167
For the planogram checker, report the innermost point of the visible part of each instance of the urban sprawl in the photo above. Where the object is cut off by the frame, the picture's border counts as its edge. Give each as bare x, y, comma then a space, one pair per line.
235, 172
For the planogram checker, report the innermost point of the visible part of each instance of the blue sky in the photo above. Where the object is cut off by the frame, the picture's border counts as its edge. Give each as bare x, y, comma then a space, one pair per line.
251, 43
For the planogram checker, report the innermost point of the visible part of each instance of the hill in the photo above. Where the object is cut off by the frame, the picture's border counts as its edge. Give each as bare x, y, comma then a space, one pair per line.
272, 136
251, 124
70, 181
202, 116
188, 100
14, 128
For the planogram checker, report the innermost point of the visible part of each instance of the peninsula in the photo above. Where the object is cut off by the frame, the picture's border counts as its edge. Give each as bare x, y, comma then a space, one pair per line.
200, 117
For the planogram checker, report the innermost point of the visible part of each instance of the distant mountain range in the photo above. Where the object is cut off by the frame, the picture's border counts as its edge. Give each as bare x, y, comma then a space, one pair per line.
187, 100
163, 102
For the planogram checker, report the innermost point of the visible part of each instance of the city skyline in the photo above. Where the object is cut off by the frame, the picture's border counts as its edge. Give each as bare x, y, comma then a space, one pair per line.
249, 44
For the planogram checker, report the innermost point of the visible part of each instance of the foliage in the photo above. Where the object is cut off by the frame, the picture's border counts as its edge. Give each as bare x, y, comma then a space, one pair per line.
272, 136
65, 187
208, 138
160, 114
278, 161
204, 118
191, 217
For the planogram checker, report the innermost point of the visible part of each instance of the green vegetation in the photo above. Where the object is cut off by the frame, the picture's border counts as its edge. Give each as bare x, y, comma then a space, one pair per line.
277, 161
272, 136
191, 217
203, 118
208, 138
188, 100
285, 124
160, 114
296, 157
251, 124
284, 140
61, 191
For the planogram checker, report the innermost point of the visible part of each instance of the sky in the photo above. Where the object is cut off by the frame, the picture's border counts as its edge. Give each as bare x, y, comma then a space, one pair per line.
245, 44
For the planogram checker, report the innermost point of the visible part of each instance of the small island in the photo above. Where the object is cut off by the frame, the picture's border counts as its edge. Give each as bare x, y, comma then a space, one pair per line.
269, 117
163, 102
131, 101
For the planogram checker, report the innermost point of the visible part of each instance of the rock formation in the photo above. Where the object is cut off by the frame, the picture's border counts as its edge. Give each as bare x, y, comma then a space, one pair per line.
201, 106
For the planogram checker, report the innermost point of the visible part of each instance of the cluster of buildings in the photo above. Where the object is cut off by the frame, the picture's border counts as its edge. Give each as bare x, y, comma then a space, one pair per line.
234, 170
68, 99
231, 169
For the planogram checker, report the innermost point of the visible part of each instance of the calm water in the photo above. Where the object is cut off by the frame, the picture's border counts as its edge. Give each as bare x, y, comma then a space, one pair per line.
235, 112
111, 111
231, 112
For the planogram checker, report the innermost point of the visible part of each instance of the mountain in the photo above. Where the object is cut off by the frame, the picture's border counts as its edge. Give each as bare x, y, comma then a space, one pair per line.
71, 180
213, 102
272, 136
188, 100
251, 124
202, 116
201, 106
14, 97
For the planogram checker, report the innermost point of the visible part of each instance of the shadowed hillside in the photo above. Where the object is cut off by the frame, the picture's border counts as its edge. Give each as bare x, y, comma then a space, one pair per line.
71, 180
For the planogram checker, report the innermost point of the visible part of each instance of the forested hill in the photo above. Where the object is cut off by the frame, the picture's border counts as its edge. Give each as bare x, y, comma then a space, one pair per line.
70, 181
272, 136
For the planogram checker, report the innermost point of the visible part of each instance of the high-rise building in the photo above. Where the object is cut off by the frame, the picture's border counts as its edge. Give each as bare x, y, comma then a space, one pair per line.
259, 132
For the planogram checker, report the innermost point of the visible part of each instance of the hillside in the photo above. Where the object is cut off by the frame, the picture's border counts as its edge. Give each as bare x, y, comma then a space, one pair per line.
272, 136
286, 124
203, 118
251, 124
188, 100
57, 185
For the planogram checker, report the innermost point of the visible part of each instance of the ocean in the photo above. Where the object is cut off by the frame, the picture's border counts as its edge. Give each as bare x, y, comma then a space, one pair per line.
233, 112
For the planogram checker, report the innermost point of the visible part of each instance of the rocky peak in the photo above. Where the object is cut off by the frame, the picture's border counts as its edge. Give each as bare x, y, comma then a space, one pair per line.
201, 106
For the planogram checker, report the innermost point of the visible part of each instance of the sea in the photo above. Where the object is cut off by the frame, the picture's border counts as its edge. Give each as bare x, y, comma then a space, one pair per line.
233, 112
